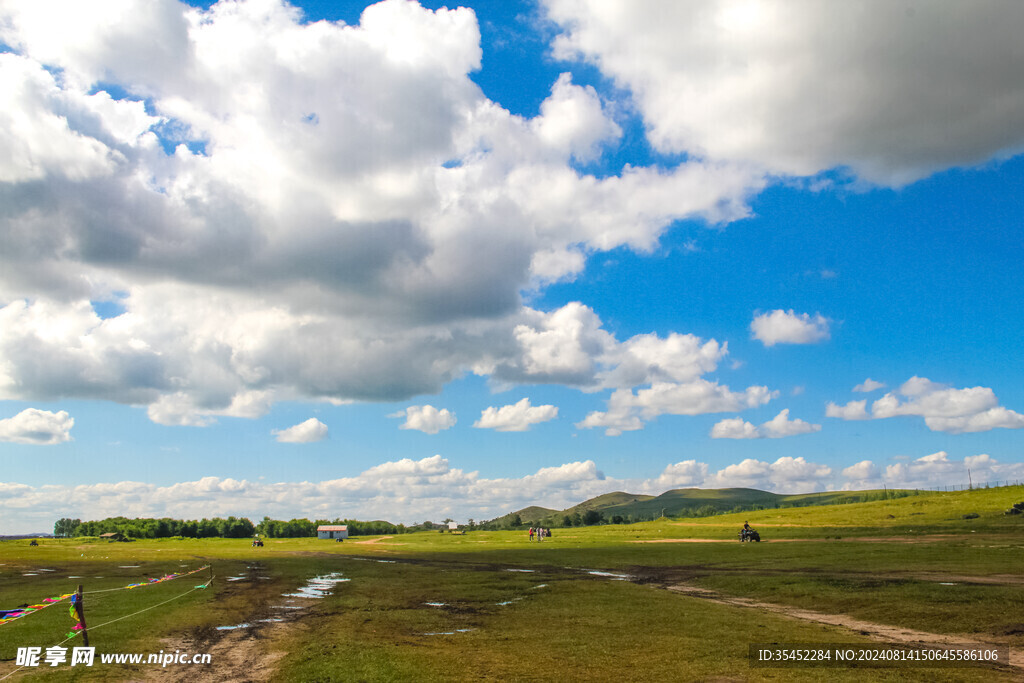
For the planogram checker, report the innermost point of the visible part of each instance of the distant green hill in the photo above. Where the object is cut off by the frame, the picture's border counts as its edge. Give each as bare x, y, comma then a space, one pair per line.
534, 513
616, 499
692, 502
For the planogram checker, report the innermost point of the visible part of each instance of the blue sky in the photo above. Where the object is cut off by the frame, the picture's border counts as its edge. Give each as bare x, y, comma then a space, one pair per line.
416, 263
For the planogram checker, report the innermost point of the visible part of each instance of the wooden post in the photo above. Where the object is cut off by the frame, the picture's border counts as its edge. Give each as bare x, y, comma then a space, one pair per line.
80, 611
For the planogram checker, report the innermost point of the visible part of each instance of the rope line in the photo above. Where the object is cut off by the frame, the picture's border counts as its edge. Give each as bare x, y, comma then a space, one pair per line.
169, 577
145, 609
32, 609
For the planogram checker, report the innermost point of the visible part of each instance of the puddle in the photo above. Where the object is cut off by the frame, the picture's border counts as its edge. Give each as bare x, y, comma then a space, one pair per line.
610, 575
449, 633
129, 566
525, 571
232, 628
507, 602
236, 578
946, 583
287, 607
272, 620
543, 585
30, 574
46, 570
76, 577
318, 586
435, 604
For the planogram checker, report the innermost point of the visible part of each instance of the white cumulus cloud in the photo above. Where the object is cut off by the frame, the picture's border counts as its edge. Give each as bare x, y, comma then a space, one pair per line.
787, 327
778, 427
310, 431
517, 417
427, 419
869, 385
944, 408
628, 410
380, 242
885, 88
37, 427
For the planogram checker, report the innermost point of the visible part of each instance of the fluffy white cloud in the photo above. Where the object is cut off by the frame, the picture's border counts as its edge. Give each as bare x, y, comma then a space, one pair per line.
427, 419
778, 427
37, 427
378, 242
310, 431
687, 473
869, 385
787, 327
933, 471
862, 473
787, 474
944, 409
854, 410
888, 89
570, 346
734, 428
781, 426
516, 417
625, 408
572, 122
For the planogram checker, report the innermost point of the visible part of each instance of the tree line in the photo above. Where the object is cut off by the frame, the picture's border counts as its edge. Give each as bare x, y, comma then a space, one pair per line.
232, 527
303, 528
165, 527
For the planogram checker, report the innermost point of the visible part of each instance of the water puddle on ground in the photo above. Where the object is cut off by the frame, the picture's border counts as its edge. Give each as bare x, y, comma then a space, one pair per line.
315, 588
543, 585
448, 633
232, 628
610, 575
525, 571
129, 566
434, 604
318, 586
46, 570
30, 574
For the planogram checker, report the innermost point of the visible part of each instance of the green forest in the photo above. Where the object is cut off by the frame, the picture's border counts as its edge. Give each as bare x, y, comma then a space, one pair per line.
232, 527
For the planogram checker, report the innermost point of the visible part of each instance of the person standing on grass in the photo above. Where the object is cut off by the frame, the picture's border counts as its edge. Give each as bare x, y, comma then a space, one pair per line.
531, 533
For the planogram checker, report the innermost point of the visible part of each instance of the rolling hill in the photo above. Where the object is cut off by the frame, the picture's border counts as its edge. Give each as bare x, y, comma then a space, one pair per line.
690, 502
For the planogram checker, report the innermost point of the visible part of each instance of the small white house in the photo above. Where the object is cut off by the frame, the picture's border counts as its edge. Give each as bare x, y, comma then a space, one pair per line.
453, 526
331, 531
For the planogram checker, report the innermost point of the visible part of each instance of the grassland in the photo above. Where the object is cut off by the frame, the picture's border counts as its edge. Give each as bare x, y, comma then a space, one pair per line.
672, 599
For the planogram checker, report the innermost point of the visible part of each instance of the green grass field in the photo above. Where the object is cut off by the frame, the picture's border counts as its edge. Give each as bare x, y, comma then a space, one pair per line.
594, 603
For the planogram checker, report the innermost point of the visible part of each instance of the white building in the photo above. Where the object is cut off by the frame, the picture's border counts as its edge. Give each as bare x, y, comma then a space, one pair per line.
330, 531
